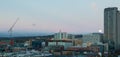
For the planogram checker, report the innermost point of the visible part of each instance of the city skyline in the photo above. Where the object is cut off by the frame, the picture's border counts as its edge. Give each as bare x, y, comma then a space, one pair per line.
51, 16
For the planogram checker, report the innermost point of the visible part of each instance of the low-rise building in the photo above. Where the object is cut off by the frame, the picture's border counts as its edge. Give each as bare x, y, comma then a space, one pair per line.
92, 38
62, 35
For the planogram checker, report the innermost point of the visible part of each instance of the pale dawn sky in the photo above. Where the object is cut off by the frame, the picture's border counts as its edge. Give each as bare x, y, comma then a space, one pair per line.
72, 16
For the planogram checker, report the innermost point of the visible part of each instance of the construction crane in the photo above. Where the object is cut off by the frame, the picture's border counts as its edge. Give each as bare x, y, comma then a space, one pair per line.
10, 31
11, 28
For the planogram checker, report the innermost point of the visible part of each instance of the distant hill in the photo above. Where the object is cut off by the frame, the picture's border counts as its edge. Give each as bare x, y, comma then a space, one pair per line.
3, 34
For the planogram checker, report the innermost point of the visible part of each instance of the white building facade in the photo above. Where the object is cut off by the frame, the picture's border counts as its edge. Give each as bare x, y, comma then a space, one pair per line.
92, 38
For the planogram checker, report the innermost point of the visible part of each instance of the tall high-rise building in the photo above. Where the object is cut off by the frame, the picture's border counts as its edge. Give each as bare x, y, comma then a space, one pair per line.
112, 27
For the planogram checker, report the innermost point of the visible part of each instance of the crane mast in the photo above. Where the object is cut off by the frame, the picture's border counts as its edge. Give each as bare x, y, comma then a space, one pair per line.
11, 28
10, 32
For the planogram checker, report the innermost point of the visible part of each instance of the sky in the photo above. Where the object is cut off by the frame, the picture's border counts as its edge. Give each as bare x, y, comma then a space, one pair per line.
72, 16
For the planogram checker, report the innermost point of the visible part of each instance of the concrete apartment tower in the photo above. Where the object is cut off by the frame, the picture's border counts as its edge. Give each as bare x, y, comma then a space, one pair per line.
60, 35
112, 27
